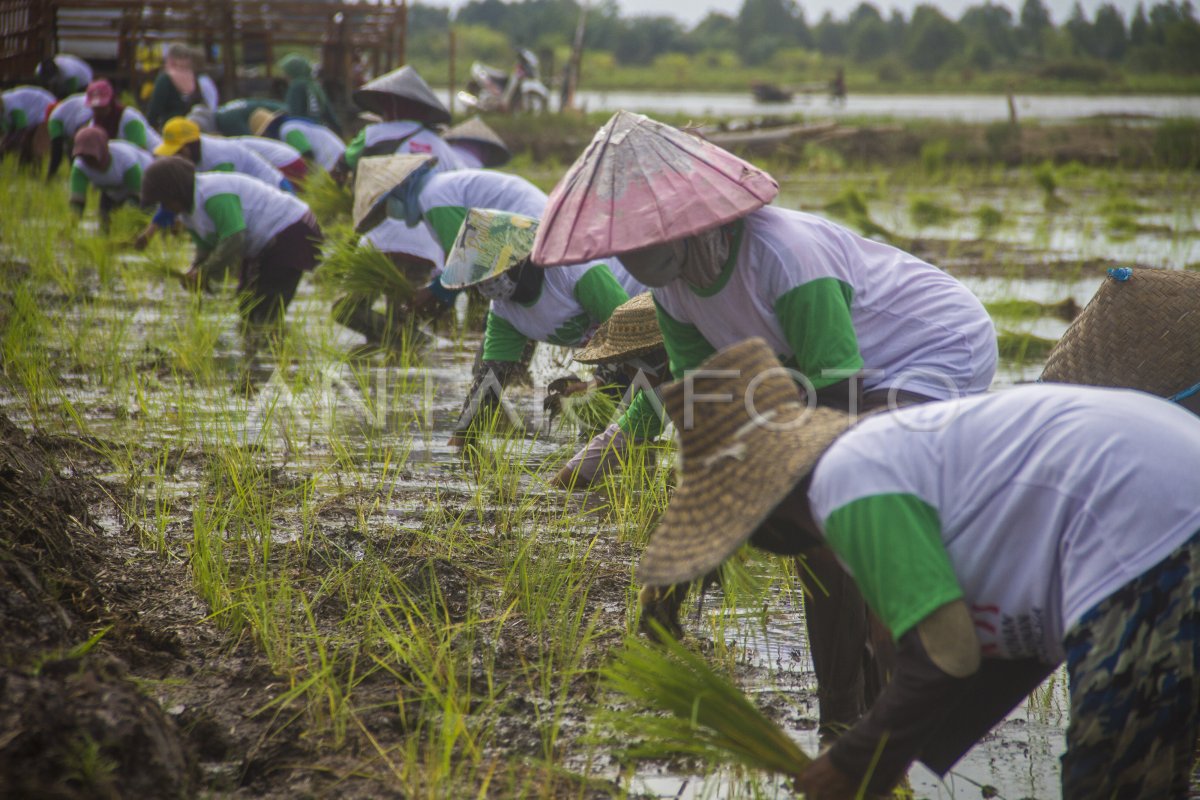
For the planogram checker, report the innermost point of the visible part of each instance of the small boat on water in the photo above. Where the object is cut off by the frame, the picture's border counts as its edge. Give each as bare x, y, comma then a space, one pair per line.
770, 92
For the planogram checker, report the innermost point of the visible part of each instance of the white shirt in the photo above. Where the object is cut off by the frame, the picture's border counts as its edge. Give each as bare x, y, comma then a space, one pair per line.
31, 100
1050, 497
131, 115
208, 90
122, 156
216, 151
279, 154
420, 141
327, 146
556, 305
74, 67
921, 329
267, 210
72, 113
393, 236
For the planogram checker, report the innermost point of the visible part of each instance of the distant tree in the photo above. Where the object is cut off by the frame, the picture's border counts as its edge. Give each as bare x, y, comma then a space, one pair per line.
1080, 31
714, 32
989, 29
897, 30
646, 38
933, 39
1035, 23
829, 36
1139, 27
764, 26
870, 39
1109, 38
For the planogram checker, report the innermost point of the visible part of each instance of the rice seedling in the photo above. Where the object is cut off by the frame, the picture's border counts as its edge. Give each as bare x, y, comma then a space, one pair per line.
706, 716
1023, 347
852, 206
1066, 309
329, 201
989, 219
926, 211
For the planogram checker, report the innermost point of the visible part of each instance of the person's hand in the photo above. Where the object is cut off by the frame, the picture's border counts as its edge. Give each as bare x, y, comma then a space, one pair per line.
661, 604
591, 463
143, 239
823, 781
560, 389
191, 279
424, 304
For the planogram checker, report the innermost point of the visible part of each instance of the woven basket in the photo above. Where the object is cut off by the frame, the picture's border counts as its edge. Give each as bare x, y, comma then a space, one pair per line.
1142, 333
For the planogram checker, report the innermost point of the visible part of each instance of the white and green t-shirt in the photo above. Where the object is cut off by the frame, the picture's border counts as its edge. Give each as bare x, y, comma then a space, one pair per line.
74, 70
447, 196
24, 107
278, 154
227, 203
309, 137
393, 236
572, 303
417, 140
1031, 505
68, 117
830, 302
122, 179
224, 155
134, 128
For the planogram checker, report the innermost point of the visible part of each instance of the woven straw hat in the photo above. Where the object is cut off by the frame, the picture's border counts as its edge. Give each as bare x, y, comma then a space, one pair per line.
746, 442
401, 94
476, 134
639, 183
489, 243
631, 331
375, 178
261, 119
1141, 333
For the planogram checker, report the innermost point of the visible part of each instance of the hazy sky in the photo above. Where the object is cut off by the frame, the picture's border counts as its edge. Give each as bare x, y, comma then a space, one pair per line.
692, 11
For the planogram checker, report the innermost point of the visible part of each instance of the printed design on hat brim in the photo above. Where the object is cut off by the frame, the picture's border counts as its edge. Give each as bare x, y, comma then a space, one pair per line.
489, 243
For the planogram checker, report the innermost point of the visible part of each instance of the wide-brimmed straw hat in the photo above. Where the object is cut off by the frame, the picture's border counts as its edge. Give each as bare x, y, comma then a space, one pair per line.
1142, 332
631, 331
261, 119
375, 178
745, 439
489, 243
401, 94
639, 183
482, 140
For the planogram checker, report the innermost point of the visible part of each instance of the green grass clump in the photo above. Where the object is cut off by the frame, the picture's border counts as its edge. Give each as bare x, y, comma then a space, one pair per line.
709, 717
924, 211
989, 218
852, 206
329, 201
1023, 347
360, 268
1032, 309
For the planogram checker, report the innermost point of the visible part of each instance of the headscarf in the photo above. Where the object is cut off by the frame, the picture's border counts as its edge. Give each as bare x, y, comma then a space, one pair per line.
107, 114
93, 141
299, 70
170, 179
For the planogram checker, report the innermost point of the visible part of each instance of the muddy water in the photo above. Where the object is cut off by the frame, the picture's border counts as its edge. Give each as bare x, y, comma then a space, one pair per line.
322, 417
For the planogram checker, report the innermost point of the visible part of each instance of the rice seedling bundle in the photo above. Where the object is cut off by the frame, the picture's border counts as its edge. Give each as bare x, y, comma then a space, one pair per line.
708, 717
360, 268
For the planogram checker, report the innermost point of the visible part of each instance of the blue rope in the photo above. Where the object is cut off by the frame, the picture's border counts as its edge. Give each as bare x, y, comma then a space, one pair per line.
1185, 394
1120, 273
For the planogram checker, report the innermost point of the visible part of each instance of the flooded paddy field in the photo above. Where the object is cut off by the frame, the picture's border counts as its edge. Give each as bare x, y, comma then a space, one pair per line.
272, 577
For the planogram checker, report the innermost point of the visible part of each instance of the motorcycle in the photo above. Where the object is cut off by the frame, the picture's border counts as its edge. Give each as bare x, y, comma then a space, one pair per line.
490, 89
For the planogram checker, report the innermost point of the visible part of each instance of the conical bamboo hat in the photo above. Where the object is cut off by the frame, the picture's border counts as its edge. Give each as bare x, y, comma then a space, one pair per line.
401, 94
375, 178
489, 243
493, 152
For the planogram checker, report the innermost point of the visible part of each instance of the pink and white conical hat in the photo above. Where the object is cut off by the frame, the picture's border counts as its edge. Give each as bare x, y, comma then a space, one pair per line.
641, 182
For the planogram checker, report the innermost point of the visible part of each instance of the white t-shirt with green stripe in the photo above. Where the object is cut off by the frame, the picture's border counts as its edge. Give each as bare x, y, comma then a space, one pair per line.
277, 153
572, 303
393, 236
225, 155
304, 135
826, 298
24, 107
122, 179
225, 203
1032, 505
69, 116
135, 128
447, 196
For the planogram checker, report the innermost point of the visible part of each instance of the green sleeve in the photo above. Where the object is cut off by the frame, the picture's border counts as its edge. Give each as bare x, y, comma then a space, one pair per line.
79, 182
225, 210
296, 99
133, 178
892, 543
446, 222
640, 420
815, 318
19, 121
599, 293
298, 140
55, 128
686, 346
501, 341
354, 150
134, 132
224, 166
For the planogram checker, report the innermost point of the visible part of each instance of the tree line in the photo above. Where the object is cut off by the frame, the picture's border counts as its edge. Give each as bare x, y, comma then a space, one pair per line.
1164, 37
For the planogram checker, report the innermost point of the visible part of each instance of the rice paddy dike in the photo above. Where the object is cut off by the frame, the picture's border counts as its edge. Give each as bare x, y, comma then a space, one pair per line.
272, 578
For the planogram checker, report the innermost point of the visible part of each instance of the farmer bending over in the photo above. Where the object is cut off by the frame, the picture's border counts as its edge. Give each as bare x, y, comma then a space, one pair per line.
115, 168
996, 537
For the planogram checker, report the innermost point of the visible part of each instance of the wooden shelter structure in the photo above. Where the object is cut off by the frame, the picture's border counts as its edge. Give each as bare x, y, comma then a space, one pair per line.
242, 39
